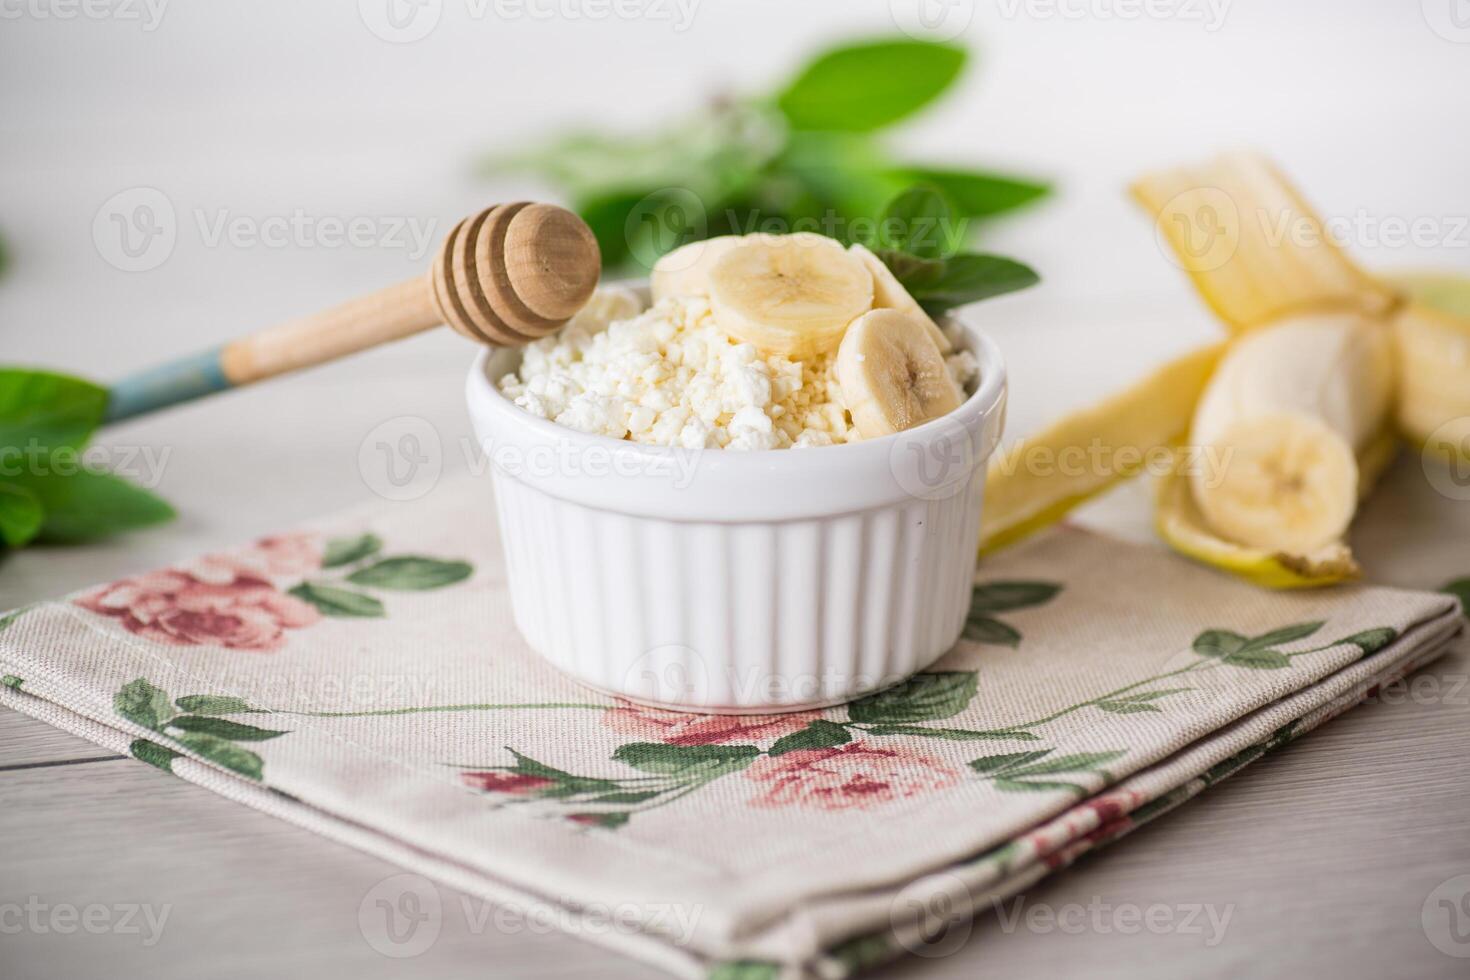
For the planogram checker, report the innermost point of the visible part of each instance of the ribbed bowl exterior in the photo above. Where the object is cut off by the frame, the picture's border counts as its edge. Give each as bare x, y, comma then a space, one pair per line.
750, 616
745, 582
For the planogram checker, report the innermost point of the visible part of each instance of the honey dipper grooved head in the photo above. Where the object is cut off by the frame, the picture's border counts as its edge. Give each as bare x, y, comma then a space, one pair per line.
515, 272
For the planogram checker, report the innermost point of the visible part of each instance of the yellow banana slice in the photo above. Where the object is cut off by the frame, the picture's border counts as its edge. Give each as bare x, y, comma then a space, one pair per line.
685, 270
1180, 523
1255, 250
789, 294
1027, 488
889, 294
1432, 335
892, 376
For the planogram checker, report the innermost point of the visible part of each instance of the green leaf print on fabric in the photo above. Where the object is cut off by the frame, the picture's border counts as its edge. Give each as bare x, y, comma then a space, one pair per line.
332, 601
686, 760
153, 754
923, 697
11, 681
347, 551
817, 735
411, 573
1019, 771
995, 597
206, 735
744, 970
1371, 641
1460, 589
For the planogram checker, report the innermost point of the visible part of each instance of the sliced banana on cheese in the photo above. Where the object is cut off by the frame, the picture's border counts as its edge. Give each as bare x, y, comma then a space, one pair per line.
889, 294
685, 270
789, 294
892, 376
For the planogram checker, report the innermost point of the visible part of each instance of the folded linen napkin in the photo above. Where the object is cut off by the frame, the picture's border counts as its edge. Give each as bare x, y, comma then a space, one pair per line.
363, 678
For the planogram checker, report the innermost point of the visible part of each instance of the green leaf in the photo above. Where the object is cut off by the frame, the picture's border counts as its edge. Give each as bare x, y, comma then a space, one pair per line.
975, 194
332, 601
847, 175
1078, 762
345, 551
224, 753
211, 704
1218, 643
20, 515
154, 754
608, 821
81, 505
920, 222
1371, 641
744, 970
48, 411
923, 697
11, 681
1127, 707
965, 278
1037, 786
954, 734
995, 597
863, 87
818, 735
411, 573
223, 728
704, 761
627, 798
1258, 659
984, 629
142, 704
1284, 635
1460, 589
988, 764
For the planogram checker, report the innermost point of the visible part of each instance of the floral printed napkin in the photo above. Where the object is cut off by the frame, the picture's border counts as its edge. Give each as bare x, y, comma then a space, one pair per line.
363, 678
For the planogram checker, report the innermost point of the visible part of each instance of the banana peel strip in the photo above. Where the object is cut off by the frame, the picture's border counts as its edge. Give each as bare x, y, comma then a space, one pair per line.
1030, 487
1255, 250
1432, 339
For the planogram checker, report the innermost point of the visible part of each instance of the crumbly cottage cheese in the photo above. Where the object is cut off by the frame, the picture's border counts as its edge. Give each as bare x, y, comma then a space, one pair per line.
669, 376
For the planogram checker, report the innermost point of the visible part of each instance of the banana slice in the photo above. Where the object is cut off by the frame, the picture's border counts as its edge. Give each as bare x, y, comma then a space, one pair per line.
1180, 523
1145, 418
1432, 337
1255, 249
891, 374
1279, 428
1286, 482
889, 294
685, 270
789, 294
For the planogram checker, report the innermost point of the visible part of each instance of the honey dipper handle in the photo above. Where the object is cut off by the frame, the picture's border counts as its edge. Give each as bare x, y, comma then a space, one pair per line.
388, 314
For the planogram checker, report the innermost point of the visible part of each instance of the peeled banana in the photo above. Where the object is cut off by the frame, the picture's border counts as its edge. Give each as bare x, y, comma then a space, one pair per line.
1296, 415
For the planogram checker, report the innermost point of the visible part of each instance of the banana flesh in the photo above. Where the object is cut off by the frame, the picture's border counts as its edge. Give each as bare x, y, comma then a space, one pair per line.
892, 376
1432, 335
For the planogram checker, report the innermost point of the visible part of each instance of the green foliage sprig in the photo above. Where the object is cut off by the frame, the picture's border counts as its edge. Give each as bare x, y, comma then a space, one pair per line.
810, 156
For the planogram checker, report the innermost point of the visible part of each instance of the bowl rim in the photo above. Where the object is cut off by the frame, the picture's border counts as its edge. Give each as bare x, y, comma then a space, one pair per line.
857, 467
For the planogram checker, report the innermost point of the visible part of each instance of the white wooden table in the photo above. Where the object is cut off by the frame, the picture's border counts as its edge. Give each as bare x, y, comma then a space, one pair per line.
1324, 853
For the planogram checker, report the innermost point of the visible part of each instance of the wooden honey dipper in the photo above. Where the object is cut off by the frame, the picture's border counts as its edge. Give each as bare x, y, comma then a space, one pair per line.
507, 276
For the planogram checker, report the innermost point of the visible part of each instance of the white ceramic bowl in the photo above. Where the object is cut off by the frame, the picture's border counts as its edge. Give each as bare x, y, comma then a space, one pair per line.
730, 581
